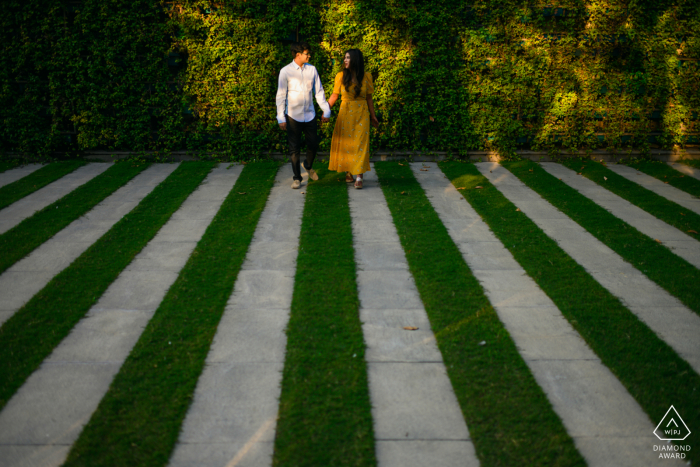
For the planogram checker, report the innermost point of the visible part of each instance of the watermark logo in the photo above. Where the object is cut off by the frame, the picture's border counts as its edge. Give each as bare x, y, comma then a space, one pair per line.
672, 427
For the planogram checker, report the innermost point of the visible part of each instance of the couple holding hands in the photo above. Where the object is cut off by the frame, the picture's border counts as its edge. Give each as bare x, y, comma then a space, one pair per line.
298, 83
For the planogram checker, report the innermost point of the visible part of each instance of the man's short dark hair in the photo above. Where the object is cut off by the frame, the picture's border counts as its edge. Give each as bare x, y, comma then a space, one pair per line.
299, 47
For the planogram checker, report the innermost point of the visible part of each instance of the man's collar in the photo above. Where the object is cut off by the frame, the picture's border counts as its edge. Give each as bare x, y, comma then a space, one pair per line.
296, 66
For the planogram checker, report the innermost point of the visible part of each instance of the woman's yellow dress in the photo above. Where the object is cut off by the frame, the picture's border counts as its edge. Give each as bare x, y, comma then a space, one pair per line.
350, 143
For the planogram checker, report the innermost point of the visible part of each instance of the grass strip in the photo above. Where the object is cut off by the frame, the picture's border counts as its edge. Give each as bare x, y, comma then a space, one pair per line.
650, 370
20, 240
510, 420
36, 180
139, 419
7, 165
668, 174
325, 413
650, 257
30, 335
656, 205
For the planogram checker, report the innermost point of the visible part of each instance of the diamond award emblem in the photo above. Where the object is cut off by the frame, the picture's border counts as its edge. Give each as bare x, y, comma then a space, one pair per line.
672, 427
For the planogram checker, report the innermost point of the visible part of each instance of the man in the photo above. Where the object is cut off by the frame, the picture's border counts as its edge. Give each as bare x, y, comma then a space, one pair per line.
298, 82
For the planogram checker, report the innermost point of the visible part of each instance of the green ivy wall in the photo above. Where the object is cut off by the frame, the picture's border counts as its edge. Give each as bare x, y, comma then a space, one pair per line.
147, 75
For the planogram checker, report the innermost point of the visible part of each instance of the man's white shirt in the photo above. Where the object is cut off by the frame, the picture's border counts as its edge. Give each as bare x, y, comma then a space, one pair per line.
295, 91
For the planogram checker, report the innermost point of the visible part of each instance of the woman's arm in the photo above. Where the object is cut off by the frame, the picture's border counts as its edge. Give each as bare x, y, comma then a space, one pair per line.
332, 99
370, 106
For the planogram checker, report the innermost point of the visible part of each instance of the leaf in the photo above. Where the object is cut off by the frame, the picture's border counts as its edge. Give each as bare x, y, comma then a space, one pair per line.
657, 240
403, 192
605, 178
303, 193
462, 188
424, 170
478, 187
666, 183
242, 192
410, 328
692, 231
518, 210
579, 173
400, 164
432, 119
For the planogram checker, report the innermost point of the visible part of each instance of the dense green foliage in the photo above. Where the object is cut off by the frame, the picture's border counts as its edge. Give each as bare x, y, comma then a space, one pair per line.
151, 75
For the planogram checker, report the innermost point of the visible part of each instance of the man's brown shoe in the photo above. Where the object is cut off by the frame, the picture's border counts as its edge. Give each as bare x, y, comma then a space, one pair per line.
312, 174
296, 184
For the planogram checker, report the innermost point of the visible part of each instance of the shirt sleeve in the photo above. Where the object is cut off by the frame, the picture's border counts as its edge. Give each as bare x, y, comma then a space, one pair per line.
321, 96
281, 98
338, 83
370, 85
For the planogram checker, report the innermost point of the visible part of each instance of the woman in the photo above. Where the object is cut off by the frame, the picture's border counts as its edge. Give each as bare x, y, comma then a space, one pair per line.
350, 144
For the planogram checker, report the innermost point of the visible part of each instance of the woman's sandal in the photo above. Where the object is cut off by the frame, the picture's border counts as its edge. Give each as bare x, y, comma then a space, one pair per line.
348, 177
358, 183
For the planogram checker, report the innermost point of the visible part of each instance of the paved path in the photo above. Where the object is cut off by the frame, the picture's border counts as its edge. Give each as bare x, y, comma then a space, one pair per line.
417, 419
27, 206
13, 175
46, 415
25, 278
679, 242
664, 314
655, 185
606, 423
686, 169
232, 419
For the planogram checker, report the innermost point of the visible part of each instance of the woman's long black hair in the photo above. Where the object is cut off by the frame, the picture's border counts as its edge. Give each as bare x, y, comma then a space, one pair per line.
355, 72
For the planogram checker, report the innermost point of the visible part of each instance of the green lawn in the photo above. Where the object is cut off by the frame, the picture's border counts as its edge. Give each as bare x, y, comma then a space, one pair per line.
324, 413
138, 420
36, 180
30, 335
510, 420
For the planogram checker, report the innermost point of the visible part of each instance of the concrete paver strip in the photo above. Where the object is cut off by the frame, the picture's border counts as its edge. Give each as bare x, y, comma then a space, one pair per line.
686, 169
597, 411
27, 206
12, 175
664, 314
49, 411
58, 252
414, 406
679, 242
655, 185
233, 414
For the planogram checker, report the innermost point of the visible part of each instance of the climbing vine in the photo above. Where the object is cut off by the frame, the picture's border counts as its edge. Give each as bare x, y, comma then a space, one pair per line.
196, 75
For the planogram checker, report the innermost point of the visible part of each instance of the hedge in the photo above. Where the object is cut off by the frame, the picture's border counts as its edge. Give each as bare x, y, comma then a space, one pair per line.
149, 75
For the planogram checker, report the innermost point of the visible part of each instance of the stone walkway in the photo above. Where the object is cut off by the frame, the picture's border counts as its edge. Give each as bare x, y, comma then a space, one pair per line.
415, 411
606, 423
25, 207
679, 197
232, 418
46, 415
686, 169
664, 314
417, 420
13, 175
28, 276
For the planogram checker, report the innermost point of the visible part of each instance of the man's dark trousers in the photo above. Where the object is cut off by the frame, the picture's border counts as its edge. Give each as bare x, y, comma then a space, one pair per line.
294, 130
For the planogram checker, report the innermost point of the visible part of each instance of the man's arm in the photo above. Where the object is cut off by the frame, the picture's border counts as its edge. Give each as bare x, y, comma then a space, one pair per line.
321, 97
281, 98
